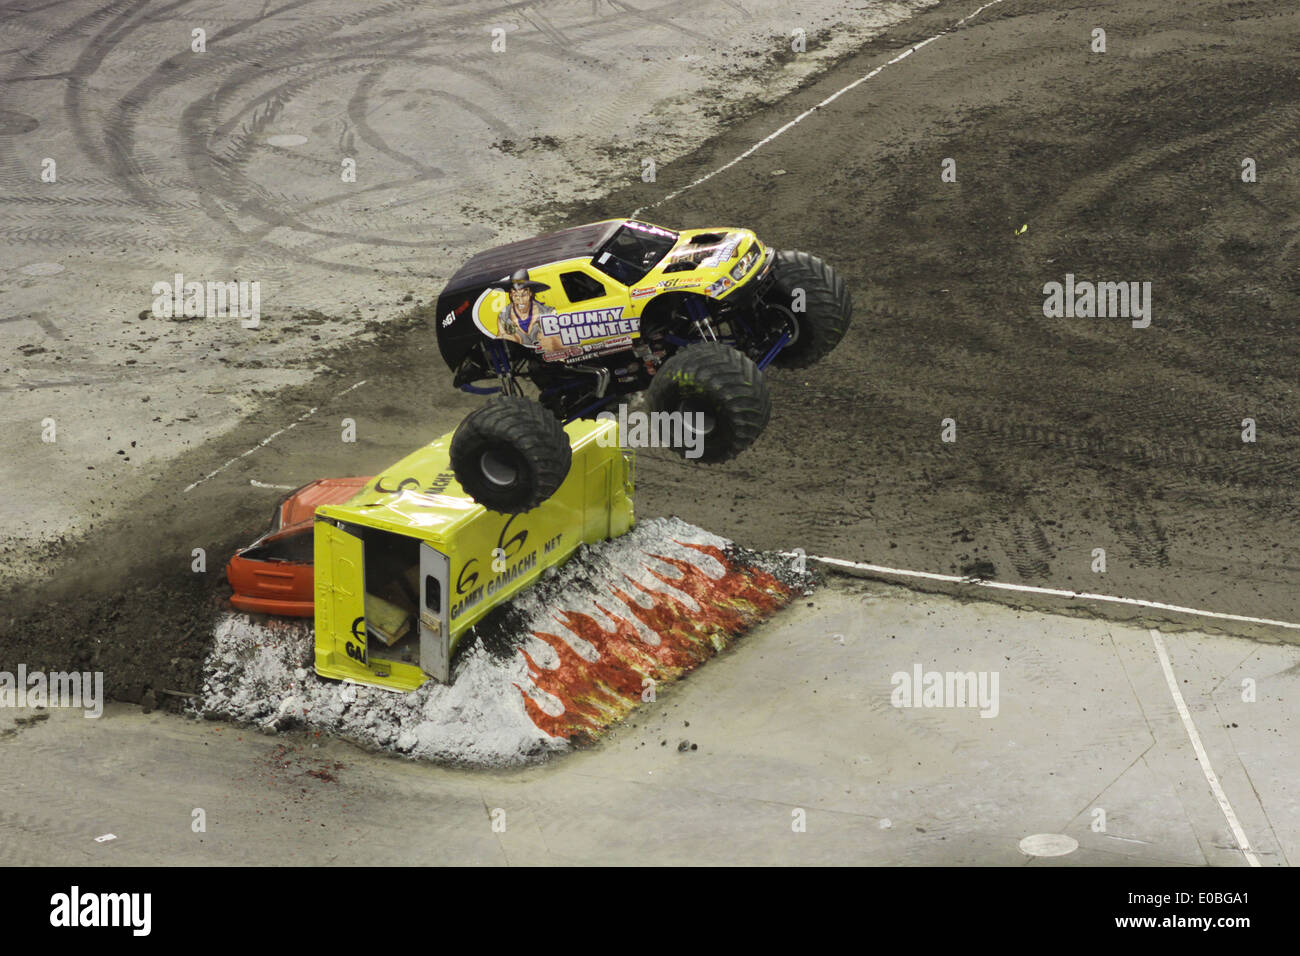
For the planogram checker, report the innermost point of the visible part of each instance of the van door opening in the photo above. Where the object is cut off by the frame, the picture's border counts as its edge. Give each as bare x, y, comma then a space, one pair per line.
392, 582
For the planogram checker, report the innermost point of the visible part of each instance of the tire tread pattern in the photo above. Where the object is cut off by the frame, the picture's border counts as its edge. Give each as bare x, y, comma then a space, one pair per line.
829, 307
731, 377
528, 428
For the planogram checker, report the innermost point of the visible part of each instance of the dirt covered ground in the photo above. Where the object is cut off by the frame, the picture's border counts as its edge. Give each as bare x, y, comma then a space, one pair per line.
1072, 434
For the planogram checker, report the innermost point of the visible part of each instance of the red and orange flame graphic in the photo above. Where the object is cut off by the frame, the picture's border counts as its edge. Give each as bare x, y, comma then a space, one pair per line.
597, 693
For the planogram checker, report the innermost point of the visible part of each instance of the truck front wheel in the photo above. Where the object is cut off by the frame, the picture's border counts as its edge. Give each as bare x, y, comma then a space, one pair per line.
813, 302
510, 455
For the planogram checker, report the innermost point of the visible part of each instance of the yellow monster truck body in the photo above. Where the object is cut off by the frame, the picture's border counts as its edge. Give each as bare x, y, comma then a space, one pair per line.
597, 312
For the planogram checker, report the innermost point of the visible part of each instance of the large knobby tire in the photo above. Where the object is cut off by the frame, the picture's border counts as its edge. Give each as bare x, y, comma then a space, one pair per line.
827, 312
510, 455
722, 384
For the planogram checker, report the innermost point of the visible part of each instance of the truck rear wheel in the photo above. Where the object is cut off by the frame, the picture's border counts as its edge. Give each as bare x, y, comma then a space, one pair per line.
510, 455
722, 396
827, 307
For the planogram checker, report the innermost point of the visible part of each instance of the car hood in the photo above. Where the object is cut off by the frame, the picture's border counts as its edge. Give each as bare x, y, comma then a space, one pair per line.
707, 248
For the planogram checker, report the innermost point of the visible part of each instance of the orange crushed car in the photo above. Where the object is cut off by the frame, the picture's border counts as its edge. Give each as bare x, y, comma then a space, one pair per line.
274, 574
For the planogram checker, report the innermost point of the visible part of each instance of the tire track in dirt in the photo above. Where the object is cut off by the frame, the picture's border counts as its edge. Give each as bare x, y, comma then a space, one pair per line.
211, 177
50, 236
1202, 462
212, 184
119, 135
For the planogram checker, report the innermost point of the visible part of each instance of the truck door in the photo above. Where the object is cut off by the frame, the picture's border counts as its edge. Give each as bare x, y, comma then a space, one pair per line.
587, 289
435, 639
340, 593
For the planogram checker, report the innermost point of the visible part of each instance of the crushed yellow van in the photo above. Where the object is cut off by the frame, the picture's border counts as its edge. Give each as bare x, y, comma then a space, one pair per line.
405, 567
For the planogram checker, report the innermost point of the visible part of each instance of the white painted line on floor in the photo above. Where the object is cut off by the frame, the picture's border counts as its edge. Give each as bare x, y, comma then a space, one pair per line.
261, 484
808, 112
268, 439
1055, 592
1211, 777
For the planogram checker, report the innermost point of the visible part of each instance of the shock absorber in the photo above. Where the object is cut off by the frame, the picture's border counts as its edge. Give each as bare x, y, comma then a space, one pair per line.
499, 358
699, 315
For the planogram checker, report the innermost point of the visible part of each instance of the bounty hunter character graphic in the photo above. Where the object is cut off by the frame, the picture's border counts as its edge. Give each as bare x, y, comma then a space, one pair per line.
521, 319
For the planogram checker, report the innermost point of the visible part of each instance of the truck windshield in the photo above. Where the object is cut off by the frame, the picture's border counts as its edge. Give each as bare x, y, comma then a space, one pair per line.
633, 251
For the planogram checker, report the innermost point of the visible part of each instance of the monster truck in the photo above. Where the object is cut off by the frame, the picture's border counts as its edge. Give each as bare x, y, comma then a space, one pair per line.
595, 313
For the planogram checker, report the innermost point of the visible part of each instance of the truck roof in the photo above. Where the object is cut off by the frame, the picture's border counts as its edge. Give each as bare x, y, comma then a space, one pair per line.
493, 265
419, 496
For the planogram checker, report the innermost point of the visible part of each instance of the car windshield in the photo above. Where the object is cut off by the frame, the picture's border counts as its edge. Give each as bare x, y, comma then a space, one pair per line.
633, 251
